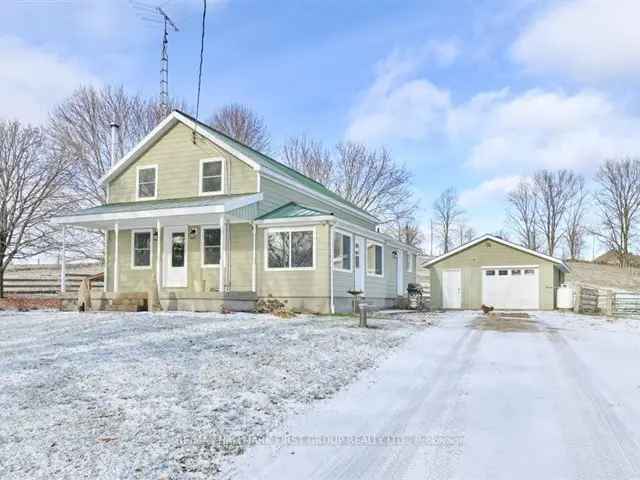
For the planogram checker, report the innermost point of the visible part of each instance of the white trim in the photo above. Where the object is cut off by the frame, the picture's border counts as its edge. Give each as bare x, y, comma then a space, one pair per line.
223, 170
494, 267
226, 206
267, 231
159, 254
105, 279
133, 251
332, 305
346, 234
155, 187
223, 259
254, 231
497, 240
202, 229
297, 220
371, 242
116, 269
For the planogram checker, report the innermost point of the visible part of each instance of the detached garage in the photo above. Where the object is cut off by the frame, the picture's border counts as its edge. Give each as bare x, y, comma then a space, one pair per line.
495, 272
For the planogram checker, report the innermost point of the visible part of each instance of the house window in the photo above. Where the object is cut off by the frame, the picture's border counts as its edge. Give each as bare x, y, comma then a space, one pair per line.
147, 183
410, 262
341, 251
529, 272
141, 249
516, 272
503, 273
374, 259
211, 176
490, 273
290, 249
210, 247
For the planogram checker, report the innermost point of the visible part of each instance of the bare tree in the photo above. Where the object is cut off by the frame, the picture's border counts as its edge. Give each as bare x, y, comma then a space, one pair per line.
522, 214
447, 212
309, 157
554, 193
575, 227
618, 201
32, 185
371, 180
464, 232
241, 123
412, 235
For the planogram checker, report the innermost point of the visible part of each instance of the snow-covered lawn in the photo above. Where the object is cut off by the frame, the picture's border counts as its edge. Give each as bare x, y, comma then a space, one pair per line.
165, 395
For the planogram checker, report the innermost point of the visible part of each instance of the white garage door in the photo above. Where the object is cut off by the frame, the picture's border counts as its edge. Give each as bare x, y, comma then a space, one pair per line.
511, 287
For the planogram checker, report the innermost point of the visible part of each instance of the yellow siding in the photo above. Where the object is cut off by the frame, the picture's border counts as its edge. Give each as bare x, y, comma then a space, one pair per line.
489, 253
178, 161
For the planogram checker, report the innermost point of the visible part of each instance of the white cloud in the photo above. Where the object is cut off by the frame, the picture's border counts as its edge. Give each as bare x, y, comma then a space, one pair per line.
489, 190
34, 80
388, 108
539, 129
513, 133
587, 39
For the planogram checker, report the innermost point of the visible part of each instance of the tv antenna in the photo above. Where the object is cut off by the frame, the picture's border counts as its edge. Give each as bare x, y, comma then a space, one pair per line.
156, 15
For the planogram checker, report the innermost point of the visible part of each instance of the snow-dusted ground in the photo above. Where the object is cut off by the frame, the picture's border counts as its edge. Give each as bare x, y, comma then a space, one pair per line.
165, 395
553, 397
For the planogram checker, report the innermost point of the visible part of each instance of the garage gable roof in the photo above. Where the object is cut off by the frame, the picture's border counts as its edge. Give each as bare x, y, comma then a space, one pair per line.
501, 241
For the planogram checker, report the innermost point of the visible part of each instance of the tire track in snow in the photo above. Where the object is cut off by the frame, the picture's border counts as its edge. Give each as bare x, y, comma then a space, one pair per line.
426, 401
601, 443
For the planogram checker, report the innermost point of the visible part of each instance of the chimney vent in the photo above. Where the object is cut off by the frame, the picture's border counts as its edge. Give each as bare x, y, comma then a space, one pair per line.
114, 141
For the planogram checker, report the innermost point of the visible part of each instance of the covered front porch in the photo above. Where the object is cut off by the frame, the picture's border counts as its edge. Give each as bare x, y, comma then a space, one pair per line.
200, 254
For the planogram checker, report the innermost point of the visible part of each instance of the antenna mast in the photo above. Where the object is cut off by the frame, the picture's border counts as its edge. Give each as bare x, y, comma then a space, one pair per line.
156, 15
164, 62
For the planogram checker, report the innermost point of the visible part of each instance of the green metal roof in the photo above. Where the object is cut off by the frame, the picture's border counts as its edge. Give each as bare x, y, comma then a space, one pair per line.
281, 168
139, 206
292, 210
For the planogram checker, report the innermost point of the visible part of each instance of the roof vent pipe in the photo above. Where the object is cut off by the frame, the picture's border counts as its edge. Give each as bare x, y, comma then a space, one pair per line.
114, 141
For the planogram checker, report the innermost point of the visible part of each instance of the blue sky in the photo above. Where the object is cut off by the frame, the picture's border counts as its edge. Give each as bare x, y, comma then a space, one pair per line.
474, 94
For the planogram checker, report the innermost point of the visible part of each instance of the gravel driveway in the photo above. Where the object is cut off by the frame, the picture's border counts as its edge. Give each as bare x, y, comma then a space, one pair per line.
553, 396
165, 395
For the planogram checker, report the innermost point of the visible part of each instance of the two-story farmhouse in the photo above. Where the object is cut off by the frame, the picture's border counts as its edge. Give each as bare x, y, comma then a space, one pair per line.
215, 223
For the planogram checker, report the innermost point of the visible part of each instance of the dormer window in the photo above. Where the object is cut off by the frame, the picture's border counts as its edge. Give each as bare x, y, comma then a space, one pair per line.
147, 183
211, 176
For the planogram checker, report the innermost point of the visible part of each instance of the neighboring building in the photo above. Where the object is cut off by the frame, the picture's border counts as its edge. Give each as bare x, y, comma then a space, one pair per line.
216, 223
495, 272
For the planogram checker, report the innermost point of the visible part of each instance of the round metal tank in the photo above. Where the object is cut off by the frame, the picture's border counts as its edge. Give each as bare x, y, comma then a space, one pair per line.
564, 298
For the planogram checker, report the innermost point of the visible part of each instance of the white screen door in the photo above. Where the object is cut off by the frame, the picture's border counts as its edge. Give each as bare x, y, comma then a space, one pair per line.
359, 265
175, 255
451, 289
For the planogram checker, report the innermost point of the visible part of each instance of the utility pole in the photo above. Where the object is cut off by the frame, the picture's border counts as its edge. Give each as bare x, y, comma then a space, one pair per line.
156, 15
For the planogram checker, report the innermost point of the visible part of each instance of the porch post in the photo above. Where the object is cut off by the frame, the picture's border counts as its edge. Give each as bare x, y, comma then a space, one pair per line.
223, 259
159, 255
105, 274
253, 259
63, 259
116, 270
332, 304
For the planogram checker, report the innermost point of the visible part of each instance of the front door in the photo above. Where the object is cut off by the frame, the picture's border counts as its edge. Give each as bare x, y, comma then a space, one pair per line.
359, 265
175, 254
451, 289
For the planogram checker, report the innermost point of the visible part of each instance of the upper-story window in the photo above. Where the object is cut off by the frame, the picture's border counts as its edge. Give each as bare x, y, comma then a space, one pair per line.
211, 176
147, 183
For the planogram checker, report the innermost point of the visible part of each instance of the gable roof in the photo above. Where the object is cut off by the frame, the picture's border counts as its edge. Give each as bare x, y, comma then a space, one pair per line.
292, 210
257, 160
501, 241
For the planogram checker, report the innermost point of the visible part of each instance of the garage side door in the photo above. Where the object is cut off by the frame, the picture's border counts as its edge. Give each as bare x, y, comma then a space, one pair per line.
511, 287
